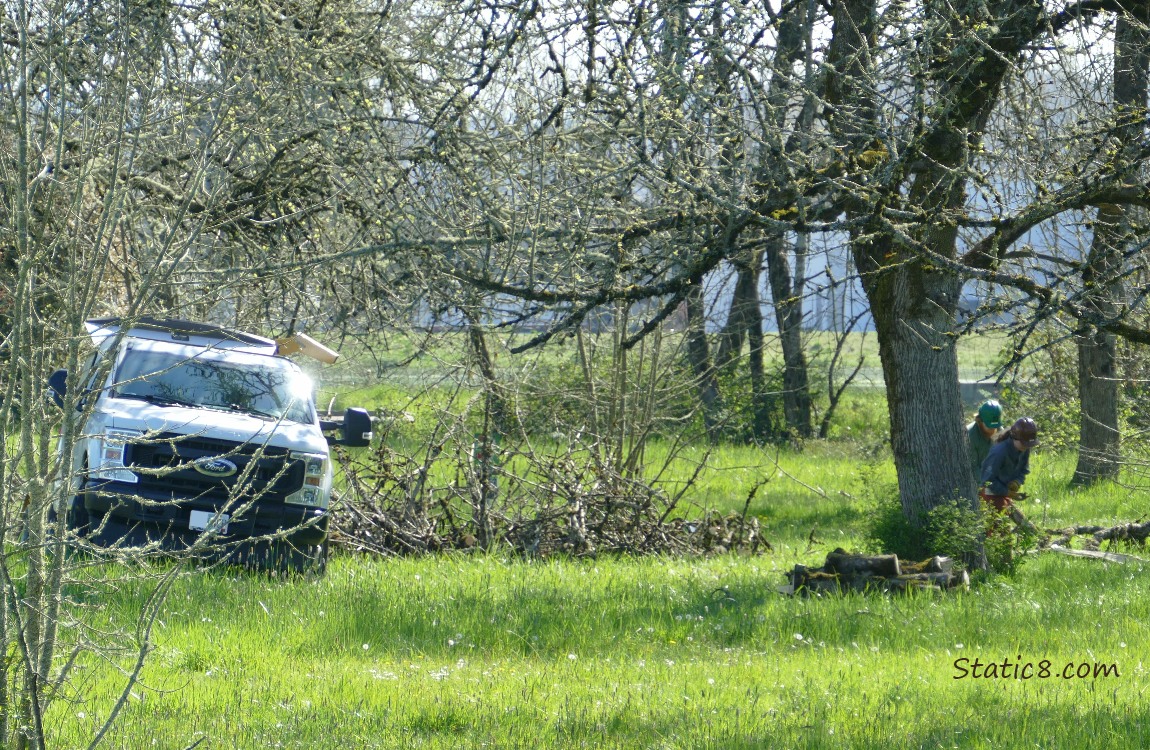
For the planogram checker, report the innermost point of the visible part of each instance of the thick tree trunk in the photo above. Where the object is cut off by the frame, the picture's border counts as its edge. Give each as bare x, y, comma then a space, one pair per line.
913, 311
1098, 442
912, 302
1099, 448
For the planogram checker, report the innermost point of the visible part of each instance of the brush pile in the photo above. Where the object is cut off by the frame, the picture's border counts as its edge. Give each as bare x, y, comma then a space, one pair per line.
561, 506
1095, 536
384, 529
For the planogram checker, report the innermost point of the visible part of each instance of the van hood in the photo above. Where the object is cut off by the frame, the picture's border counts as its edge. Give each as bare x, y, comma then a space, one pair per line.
131, 414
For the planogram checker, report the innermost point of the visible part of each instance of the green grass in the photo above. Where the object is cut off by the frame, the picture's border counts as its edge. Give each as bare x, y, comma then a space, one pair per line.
451, 652
482, 650
485, 650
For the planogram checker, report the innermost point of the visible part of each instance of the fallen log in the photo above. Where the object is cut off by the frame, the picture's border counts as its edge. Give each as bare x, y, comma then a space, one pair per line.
1076, 530
1135, 532
1131, 532
1022, 521
939, 564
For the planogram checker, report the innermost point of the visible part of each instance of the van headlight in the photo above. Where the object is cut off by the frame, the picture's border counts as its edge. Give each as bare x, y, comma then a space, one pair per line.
316, 480
108, 456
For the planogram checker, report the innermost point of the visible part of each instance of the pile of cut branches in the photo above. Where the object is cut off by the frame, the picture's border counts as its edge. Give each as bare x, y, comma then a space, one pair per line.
451, 497
1094, 536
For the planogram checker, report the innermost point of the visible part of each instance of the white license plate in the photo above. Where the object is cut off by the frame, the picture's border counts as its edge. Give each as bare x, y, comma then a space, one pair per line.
201, 520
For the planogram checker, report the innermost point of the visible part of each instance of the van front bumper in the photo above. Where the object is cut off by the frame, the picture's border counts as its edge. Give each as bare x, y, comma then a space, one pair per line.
122, 514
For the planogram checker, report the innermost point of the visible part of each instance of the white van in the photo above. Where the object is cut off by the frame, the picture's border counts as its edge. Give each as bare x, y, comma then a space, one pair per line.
202, 439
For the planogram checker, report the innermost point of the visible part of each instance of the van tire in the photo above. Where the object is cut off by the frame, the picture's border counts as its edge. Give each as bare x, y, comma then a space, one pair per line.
78, 519
282, 557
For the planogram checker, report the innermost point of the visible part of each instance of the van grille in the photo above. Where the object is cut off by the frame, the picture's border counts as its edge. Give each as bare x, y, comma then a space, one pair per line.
164, 464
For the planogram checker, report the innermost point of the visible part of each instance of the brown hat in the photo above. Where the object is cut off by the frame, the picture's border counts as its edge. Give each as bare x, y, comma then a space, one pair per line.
1025, 430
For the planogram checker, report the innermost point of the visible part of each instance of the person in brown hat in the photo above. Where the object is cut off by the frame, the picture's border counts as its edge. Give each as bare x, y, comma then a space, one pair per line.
1008, 463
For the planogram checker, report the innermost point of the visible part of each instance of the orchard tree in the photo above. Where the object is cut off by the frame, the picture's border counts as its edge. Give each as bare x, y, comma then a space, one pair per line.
894, 152
142, 153
1104, 270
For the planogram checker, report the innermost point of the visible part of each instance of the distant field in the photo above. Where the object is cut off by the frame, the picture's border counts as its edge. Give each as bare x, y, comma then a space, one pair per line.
391, 371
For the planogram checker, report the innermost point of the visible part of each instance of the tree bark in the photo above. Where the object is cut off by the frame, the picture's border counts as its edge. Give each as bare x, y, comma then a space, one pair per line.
913, 294
912, 303
788, 303
734, 332
913, 311
1099, 444
699, 354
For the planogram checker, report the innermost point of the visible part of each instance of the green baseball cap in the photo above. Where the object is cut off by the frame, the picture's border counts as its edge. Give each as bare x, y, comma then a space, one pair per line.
991, 414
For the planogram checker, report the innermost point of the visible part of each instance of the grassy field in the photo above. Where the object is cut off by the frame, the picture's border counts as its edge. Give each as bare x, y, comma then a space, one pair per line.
486, 651
642, 653
489, 650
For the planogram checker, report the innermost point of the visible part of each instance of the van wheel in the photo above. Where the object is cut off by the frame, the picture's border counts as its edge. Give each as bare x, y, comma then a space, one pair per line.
78, 518
280, 557
308, 561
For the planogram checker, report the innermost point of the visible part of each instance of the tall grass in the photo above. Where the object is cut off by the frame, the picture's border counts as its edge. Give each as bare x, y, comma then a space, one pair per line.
486, 650
490, 650
482, 651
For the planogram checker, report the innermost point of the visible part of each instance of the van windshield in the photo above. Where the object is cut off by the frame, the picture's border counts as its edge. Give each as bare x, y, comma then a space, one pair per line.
276, 390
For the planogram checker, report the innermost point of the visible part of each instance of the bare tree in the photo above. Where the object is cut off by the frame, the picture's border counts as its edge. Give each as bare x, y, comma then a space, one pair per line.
1099, 454
132, 146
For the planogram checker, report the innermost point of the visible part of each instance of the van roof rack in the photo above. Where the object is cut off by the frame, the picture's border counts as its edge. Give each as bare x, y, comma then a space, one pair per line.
185, 327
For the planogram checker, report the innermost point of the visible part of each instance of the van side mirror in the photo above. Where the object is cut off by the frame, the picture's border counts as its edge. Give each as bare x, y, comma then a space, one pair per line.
356, 428
58, 386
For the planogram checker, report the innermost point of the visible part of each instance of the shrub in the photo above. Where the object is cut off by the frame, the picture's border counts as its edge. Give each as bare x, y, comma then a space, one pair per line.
952, 529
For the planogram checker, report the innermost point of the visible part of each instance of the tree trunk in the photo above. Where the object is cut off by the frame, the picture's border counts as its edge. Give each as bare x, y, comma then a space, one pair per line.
488, 442
913, 311
1099, 449
762, 427
1098, 441
912, 303
913, 294
788, 304
734, 331
699, 355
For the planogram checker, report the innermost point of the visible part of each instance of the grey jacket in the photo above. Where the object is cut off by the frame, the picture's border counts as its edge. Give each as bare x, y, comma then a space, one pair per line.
1003, 465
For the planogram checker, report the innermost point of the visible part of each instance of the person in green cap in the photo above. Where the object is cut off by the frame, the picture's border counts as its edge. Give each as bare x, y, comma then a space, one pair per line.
981, 435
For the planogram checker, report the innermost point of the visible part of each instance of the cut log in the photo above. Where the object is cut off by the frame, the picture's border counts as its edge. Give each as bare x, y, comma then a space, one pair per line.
844, 572
903, 585
948, 580
845, 563
935, 564
1023, 522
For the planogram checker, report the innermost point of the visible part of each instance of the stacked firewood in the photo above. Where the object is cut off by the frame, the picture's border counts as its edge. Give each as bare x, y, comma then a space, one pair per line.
843, 571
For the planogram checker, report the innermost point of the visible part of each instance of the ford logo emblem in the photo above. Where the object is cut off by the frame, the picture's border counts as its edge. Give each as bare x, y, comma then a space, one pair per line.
215, 467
